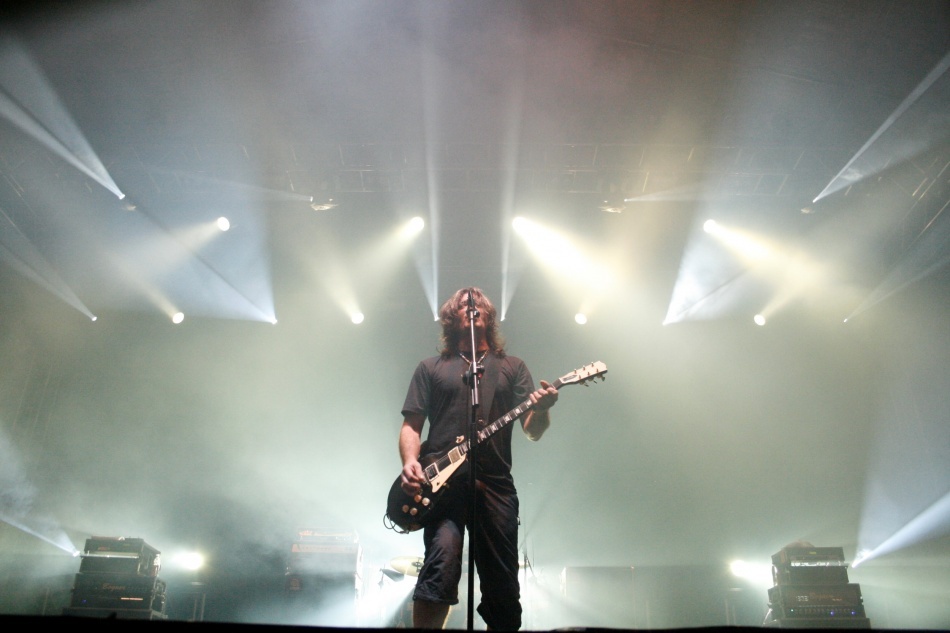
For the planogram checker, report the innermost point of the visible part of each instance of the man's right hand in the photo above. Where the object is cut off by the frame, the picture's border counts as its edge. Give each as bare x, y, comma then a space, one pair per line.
412, 477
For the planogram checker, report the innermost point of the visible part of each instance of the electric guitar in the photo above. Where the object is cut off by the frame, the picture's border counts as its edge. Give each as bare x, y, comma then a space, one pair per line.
409, 513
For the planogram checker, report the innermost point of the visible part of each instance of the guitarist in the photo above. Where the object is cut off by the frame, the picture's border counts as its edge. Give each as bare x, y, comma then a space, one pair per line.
438, 393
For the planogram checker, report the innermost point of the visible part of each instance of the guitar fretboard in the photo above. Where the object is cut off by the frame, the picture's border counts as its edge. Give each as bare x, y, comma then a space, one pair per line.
503, 421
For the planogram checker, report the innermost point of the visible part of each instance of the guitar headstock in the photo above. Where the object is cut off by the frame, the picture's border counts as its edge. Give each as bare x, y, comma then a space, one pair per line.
585, 374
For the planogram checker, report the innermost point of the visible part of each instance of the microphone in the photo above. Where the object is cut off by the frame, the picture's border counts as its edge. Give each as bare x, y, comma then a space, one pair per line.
471, 302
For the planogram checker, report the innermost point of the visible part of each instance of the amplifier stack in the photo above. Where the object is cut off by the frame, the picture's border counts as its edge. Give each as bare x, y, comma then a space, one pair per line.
118, 578
325, 573
811, 590
324, 553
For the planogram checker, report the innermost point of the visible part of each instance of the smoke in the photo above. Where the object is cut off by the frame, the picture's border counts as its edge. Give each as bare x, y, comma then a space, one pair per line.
17, 499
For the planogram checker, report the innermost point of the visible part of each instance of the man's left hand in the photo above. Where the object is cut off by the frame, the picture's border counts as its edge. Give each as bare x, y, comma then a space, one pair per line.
544, 398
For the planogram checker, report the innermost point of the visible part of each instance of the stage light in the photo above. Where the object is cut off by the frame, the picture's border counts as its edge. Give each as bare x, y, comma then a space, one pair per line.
580, 318
549, 245
357, 318
223, 223
192, 561
739, 568
94, 318
862, 556
562, 256
759, 319
178, 317
564, 259
745, 245
613, 205
758, 573
322, 205
413, 227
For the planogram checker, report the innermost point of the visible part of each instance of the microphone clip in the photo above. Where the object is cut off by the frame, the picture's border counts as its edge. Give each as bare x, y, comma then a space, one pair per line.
467, 376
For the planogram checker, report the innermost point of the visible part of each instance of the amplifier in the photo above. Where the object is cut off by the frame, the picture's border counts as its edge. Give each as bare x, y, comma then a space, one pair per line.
809, 557
323, 583
327, 535
819, 623
118, 591
847, 595
818, 612
119, 555
325, 558
809, 575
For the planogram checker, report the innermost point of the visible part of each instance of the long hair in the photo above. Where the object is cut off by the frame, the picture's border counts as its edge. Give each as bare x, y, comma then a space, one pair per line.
452, 333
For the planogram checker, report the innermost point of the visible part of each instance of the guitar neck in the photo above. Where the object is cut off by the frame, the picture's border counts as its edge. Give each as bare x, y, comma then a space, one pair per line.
504, 420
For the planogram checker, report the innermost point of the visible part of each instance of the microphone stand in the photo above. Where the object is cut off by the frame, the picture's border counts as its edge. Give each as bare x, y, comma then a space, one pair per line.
472, 378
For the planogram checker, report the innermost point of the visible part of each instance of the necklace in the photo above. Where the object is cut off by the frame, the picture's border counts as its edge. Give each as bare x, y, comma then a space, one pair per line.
469, 360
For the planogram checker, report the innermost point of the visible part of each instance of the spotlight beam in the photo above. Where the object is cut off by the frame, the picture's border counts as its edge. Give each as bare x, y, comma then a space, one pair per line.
29, 102
509, 277
849, 175
17, 500
927, 255
265, 193
204, 262
16, 115
933, 521
19, 252
683, 311
62, 543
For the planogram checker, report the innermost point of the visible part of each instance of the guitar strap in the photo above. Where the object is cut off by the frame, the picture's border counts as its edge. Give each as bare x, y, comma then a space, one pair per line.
489, 381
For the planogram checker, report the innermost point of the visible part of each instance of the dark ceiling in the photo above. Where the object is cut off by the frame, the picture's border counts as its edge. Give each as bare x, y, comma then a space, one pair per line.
468, 113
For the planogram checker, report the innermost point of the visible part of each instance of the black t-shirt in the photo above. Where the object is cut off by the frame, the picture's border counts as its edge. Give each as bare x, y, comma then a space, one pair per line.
438, 393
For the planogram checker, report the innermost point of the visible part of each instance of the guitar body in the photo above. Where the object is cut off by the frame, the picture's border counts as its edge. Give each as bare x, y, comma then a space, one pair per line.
409, 513
413, 512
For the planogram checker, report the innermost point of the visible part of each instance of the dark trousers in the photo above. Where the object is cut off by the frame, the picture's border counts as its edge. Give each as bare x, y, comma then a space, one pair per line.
496, 556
